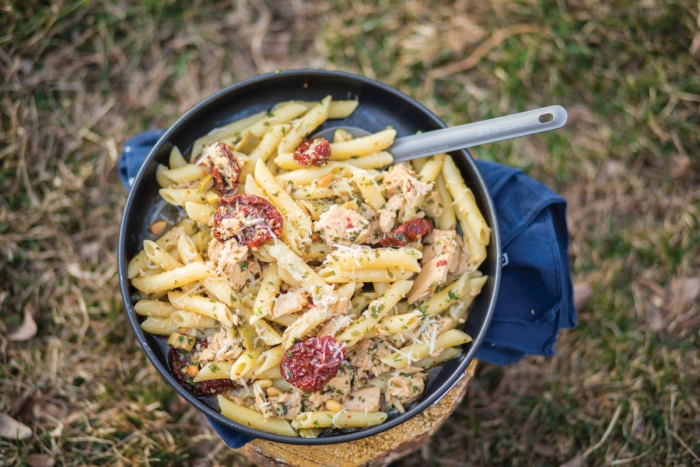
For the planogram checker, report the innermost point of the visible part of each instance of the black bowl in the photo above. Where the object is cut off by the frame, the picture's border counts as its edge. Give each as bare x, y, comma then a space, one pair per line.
380, 106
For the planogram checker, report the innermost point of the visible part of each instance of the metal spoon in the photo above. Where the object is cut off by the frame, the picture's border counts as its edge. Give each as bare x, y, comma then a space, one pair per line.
465, 136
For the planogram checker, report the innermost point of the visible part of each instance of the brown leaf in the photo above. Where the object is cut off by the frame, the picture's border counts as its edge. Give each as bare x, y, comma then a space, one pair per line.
28, 328
12, 429
40, 460
684, 291
544, 450
582, 295
576, 461
679, 166
654, 317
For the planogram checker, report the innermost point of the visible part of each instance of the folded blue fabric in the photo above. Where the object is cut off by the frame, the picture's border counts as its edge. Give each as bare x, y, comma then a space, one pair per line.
536, 297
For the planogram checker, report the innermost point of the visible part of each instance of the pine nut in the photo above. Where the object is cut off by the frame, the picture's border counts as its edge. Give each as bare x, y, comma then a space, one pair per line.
264, 383
334, 406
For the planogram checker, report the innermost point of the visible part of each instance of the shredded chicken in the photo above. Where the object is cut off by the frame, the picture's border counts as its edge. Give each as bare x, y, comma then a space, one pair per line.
407, 388
342, 226
367, 399
291, 302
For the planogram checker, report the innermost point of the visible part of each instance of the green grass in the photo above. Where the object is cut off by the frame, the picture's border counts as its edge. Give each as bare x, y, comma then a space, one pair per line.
81, 77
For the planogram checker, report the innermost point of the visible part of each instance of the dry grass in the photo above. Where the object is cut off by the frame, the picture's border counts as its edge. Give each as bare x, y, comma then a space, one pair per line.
81, 76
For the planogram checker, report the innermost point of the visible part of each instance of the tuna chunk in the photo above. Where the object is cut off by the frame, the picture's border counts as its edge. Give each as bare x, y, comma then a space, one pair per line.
342, 226
443, 242
433, 204
337, 389
221, 348
262, 403
227, 260
387, 216
431, 275
286, 406
367, 354
367, 399
401, 179
290, 302
338, 321
406, 388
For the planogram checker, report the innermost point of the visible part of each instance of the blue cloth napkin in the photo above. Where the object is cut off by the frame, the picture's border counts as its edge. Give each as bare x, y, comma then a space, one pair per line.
536, 297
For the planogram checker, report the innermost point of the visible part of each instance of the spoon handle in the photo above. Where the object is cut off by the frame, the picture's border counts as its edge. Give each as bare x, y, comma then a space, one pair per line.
474, 134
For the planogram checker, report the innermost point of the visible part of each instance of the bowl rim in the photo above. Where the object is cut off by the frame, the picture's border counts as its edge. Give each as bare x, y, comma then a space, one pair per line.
210, 413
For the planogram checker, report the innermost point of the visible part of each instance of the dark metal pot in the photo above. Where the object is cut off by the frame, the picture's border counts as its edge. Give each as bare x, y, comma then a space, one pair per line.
380, 106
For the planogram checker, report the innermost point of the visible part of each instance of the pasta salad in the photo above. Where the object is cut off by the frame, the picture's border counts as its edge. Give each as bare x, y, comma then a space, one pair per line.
306, 286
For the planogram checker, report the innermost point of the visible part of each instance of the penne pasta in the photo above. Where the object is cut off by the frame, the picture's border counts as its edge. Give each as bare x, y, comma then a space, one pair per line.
200, 212
405, 259
282, 114
243, 366
375, 312
305, 126
168, 280
176, 160
268, 360
161, 178
269, 288
186, 173
371, 161
252, 419
343, 419
265, 148
465, 204
363, 146
180, 196
202, 305
153, 308
214, 370
190, 319
336, 275
224, 132
160, 326
415, 352
159, 256
446, 220
292, 212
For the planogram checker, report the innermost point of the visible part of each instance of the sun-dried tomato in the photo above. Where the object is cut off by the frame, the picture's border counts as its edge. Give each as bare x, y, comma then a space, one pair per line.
315, 152
311, 363
179, 360
407, 232
252, 220
223, 166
